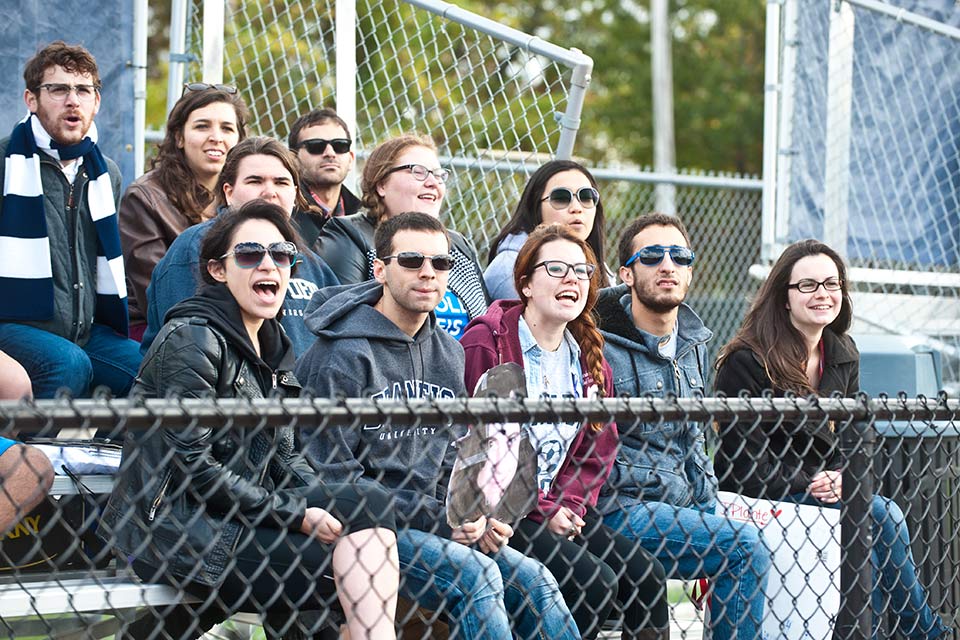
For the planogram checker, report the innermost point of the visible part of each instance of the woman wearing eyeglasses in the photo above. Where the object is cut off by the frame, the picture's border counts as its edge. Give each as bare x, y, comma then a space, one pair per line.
205, 123
236, 516
550, 332
794, 340
560, 191
404, 174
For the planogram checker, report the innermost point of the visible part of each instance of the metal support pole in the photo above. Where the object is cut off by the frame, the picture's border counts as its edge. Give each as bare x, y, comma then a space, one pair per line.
346, 43
570, 119
178, 54
855, 619
771, 142
213, 23
664, 145
836, 196
140, 19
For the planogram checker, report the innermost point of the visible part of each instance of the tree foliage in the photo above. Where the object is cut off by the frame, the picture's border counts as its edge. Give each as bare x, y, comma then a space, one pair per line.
281, 54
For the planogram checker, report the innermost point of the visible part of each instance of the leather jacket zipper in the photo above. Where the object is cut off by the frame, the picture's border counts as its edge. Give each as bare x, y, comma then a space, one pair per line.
160, 495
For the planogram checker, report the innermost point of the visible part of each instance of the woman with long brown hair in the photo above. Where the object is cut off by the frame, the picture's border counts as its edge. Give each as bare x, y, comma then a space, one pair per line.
794, 340
178, 192
551, 333
561, 191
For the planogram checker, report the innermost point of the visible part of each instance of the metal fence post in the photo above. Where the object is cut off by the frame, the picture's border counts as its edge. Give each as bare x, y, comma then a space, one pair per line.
855, 619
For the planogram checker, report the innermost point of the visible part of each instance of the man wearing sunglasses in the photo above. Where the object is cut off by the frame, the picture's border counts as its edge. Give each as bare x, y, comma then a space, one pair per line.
382, 338
662, 490
63, 314
322, 143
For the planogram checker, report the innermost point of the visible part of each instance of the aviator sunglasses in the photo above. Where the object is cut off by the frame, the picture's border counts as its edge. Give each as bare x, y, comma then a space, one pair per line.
316, 146
414, 260
249, 255
561, 197
653, 255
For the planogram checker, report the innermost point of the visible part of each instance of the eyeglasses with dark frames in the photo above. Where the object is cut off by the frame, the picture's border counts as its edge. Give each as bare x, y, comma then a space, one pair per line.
249, 255
809, 285
420, 172
414, 260
561, 197
316, 146
652, 255
59, 92
560, 269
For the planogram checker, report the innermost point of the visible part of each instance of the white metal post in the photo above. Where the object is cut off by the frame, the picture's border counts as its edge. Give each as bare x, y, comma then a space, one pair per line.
785, 151
213, 21
839, 108
664, 145
346, 47
140, 10
771, 143
178, 45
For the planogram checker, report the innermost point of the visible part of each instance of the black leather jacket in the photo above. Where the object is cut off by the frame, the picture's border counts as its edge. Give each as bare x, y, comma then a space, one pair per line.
778, 458
183, 496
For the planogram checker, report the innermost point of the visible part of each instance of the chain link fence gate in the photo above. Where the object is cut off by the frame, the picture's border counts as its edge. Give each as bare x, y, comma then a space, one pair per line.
866, 156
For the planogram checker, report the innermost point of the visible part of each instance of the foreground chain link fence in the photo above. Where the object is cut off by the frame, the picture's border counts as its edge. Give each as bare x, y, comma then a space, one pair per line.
63, 570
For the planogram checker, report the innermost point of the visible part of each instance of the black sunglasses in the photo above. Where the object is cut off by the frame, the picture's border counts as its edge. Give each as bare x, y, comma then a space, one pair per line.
203, 86
653, 255
249, 255
316, 146
414, 260
561, 197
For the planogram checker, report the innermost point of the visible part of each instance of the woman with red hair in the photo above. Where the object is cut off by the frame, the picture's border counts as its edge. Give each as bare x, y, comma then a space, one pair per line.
550, 332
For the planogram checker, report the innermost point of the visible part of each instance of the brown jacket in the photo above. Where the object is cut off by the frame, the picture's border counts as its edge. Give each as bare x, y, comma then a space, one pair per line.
149, 224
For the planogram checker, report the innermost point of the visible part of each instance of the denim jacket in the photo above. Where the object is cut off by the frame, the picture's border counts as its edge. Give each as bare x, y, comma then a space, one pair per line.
665, 461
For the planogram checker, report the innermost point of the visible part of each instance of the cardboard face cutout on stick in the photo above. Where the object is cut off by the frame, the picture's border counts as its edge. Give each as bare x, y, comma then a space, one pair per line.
496, 470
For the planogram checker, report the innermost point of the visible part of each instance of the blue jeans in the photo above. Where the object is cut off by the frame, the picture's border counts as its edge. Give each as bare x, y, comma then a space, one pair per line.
691, 543
896, 587
482, 593
53, 363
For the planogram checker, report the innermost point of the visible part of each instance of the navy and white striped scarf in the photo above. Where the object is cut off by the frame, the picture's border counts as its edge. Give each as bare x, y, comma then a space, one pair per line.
26, 274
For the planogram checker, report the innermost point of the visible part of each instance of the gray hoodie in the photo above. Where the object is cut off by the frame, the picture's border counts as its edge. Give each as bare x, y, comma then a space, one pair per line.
360, 353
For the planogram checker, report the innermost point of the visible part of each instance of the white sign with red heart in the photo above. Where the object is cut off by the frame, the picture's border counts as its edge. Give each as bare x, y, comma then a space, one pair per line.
803, 590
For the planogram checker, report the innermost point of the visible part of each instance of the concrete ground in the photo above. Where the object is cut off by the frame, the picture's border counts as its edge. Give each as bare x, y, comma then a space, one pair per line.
686, 623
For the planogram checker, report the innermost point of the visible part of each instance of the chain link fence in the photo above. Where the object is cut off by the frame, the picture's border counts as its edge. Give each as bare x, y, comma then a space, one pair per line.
497, 110
63, 574
867, 158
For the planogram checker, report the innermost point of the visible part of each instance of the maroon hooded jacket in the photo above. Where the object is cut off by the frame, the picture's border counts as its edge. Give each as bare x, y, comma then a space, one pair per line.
493, 339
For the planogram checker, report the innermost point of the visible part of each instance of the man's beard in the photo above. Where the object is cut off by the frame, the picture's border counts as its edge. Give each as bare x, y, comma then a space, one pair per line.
323, 180
658, 303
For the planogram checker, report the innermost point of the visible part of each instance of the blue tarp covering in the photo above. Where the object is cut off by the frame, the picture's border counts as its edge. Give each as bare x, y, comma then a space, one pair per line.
904, 206
105, 27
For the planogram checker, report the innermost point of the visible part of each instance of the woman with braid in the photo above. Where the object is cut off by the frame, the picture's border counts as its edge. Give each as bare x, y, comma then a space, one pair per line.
550, 332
